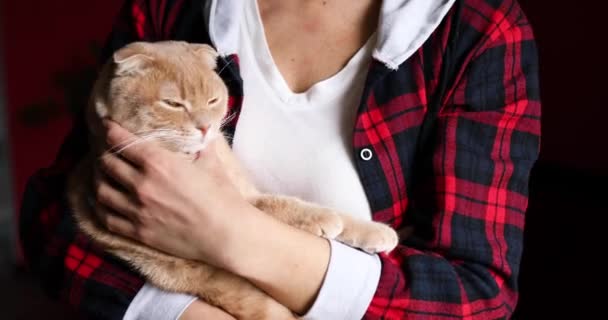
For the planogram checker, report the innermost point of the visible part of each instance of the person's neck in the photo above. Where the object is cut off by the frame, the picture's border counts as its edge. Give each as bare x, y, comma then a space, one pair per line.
312, 40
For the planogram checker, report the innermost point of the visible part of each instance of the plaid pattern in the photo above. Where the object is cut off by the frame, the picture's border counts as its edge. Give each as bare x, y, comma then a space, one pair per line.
454, 134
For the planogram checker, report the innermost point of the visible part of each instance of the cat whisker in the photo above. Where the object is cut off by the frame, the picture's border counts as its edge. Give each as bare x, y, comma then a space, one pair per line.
159, 135
224, 67
227, 120
120, 145
228, 136
119, 148
151, 135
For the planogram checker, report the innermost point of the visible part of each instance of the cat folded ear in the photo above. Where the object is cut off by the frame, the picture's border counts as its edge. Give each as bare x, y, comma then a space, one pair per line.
132, 59
207, 53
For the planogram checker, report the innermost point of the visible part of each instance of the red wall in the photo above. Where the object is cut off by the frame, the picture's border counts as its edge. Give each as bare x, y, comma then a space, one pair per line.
44, 41
574, 72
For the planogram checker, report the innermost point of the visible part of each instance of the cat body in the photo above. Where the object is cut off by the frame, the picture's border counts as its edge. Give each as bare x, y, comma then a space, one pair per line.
169, 91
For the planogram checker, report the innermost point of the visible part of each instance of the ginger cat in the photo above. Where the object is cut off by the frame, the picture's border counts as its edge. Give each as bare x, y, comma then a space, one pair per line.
170, 89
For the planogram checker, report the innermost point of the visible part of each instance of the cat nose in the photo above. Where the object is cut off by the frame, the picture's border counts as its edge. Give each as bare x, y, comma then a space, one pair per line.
204, 129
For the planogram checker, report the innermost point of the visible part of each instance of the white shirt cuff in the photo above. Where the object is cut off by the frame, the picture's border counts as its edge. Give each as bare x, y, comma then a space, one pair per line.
152, 303
349, 286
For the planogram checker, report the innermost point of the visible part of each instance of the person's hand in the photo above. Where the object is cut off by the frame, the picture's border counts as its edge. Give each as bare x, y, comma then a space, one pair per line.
200, 310
163, 200
192, 211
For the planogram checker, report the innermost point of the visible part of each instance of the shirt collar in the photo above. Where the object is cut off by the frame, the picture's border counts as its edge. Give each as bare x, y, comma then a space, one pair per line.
404, 26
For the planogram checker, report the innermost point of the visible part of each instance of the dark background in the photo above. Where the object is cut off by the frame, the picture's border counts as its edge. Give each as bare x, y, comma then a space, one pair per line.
47, 54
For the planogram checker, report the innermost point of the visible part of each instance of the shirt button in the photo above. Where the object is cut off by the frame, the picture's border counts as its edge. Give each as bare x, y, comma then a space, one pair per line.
366, 154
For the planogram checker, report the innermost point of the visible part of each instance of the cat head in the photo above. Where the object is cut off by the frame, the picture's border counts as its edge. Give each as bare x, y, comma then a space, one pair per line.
167, 91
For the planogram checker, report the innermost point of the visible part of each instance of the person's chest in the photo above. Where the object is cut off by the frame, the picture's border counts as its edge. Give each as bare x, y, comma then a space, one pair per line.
299, 143
380, 144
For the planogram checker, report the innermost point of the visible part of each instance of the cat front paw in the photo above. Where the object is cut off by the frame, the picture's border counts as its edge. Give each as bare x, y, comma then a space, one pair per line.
324, 223
372, 237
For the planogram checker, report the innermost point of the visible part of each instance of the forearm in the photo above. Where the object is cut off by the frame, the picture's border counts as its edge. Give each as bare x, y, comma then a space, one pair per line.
287, 263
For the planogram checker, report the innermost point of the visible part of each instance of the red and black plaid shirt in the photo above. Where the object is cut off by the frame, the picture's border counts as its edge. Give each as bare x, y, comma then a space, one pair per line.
454, 132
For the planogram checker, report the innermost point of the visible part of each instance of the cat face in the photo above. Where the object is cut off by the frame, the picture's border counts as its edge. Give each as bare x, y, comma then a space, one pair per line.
166, 91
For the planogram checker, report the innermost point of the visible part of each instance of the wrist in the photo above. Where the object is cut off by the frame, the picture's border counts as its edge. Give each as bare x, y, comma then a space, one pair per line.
233, 239
287, 263
248, 241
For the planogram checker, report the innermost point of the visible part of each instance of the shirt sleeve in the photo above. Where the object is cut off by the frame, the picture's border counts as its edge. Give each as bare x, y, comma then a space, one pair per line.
68, 265
349, 285
463, 260
152, 303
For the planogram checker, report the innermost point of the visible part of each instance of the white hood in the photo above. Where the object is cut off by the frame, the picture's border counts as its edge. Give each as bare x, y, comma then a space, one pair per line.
404, 26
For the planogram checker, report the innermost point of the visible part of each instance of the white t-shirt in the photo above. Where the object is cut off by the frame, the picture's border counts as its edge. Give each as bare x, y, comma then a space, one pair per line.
299, 144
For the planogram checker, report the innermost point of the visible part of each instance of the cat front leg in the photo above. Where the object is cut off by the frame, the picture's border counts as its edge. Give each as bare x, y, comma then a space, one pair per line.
242, 299
369, 236
303, 215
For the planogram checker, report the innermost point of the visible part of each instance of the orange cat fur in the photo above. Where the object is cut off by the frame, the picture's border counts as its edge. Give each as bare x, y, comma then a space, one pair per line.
170, 88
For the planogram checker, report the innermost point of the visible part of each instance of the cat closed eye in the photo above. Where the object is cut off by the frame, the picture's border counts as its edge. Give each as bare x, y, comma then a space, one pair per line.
212, 101
173, 103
